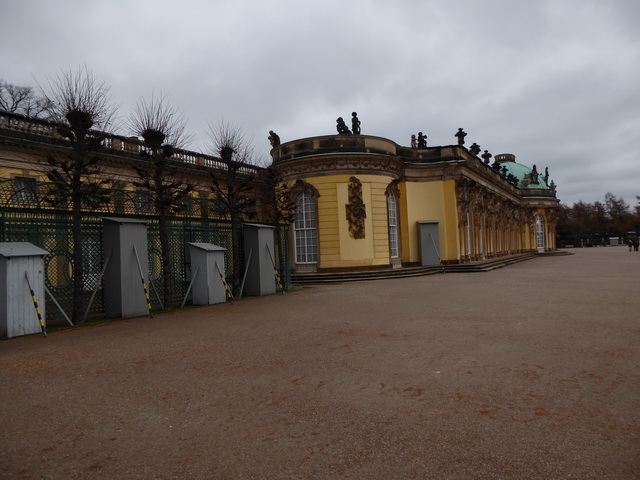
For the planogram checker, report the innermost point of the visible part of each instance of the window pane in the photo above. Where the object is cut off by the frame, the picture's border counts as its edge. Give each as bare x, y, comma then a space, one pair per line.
393, 225
304, 226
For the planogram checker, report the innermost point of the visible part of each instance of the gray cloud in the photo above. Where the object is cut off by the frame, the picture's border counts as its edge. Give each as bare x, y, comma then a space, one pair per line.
553, 82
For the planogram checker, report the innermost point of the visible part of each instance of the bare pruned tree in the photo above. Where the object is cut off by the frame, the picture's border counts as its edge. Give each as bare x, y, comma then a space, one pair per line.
163, 131
82, 108
22, 100
78, 99
232, 187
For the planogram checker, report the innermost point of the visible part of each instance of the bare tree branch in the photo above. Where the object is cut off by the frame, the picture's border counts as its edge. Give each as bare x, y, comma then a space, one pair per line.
76, 92
229, 142
159, 123
22, 100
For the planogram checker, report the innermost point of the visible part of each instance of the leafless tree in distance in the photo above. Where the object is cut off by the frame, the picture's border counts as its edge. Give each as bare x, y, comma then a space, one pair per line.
22, 100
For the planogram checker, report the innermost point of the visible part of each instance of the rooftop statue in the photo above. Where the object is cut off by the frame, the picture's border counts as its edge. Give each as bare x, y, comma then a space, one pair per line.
414, 142
546, 175
475, 149
342, 127
355, 124
422, 140
274, 139
486, 156
461, 134
534, 175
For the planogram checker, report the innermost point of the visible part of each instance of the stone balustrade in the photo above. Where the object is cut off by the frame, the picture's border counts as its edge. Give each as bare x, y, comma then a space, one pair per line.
43, 128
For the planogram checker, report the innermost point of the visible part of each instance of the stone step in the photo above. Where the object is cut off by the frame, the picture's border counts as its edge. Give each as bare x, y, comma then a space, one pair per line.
333, 277
389, 273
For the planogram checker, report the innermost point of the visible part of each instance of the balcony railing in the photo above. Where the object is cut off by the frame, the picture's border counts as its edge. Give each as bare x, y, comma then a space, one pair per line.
43, 128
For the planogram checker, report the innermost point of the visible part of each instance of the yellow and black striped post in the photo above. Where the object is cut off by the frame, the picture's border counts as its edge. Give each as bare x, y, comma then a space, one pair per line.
224, 282
144, 285
438, 252
275, 271
35, 304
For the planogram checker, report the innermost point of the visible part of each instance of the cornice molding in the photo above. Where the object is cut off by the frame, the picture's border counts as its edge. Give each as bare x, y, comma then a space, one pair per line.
339, 164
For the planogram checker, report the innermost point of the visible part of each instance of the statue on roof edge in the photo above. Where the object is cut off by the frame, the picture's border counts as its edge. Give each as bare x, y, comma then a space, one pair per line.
342, 127
274, 139
355, 124
422, 140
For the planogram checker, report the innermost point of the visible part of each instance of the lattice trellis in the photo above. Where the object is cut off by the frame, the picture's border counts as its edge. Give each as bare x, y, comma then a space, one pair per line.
23, 219
53, 233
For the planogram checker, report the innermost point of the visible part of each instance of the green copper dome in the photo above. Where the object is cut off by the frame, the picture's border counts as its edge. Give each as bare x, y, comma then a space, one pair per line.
528, 178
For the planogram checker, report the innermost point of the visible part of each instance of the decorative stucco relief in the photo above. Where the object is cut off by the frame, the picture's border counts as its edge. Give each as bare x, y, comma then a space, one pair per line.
356, 209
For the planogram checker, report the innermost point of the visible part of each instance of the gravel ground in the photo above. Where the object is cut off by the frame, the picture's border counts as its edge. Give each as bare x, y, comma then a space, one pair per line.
527, 372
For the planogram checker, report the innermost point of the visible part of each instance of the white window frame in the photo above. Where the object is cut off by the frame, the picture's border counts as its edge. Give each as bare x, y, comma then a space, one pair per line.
540, 240
304, 228
392, 211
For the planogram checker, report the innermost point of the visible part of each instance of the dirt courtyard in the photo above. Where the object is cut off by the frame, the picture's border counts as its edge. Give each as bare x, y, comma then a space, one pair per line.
527, 372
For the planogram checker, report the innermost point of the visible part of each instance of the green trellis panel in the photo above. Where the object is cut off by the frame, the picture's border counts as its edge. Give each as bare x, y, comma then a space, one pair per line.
51, 230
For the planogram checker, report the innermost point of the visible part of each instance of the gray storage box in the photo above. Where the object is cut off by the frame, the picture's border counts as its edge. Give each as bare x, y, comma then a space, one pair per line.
258, 242
123, 293
208, 288
17, 311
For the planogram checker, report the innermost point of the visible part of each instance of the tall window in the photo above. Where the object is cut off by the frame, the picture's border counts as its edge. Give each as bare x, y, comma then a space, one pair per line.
393, 225
24, 190
304, 227
540, 232
142, 201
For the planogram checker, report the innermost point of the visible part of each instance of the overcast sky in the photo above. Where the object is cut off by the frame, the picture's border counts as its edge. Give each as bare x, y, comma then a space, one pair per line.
555, 82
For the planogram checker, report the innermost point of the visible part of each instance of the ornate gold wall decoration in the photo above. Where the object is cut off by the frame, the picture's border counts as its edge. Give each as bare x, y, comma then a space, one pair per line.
356, 210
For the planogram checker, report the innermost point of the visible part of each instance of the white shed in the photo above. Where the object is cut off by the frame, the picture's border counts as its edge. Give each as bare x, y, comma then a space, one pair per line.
17, 311
207, 264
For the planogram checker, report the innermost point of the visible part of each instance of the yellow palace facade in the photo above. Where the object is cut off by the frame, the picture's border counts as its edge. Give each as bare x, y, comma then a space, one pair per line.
366, 202
362, 202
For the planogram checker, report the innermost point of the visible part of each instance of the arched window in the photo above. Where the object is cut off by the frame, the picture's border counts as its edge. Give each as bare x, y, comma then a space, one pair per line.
540, 232
304, 227
393, 225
